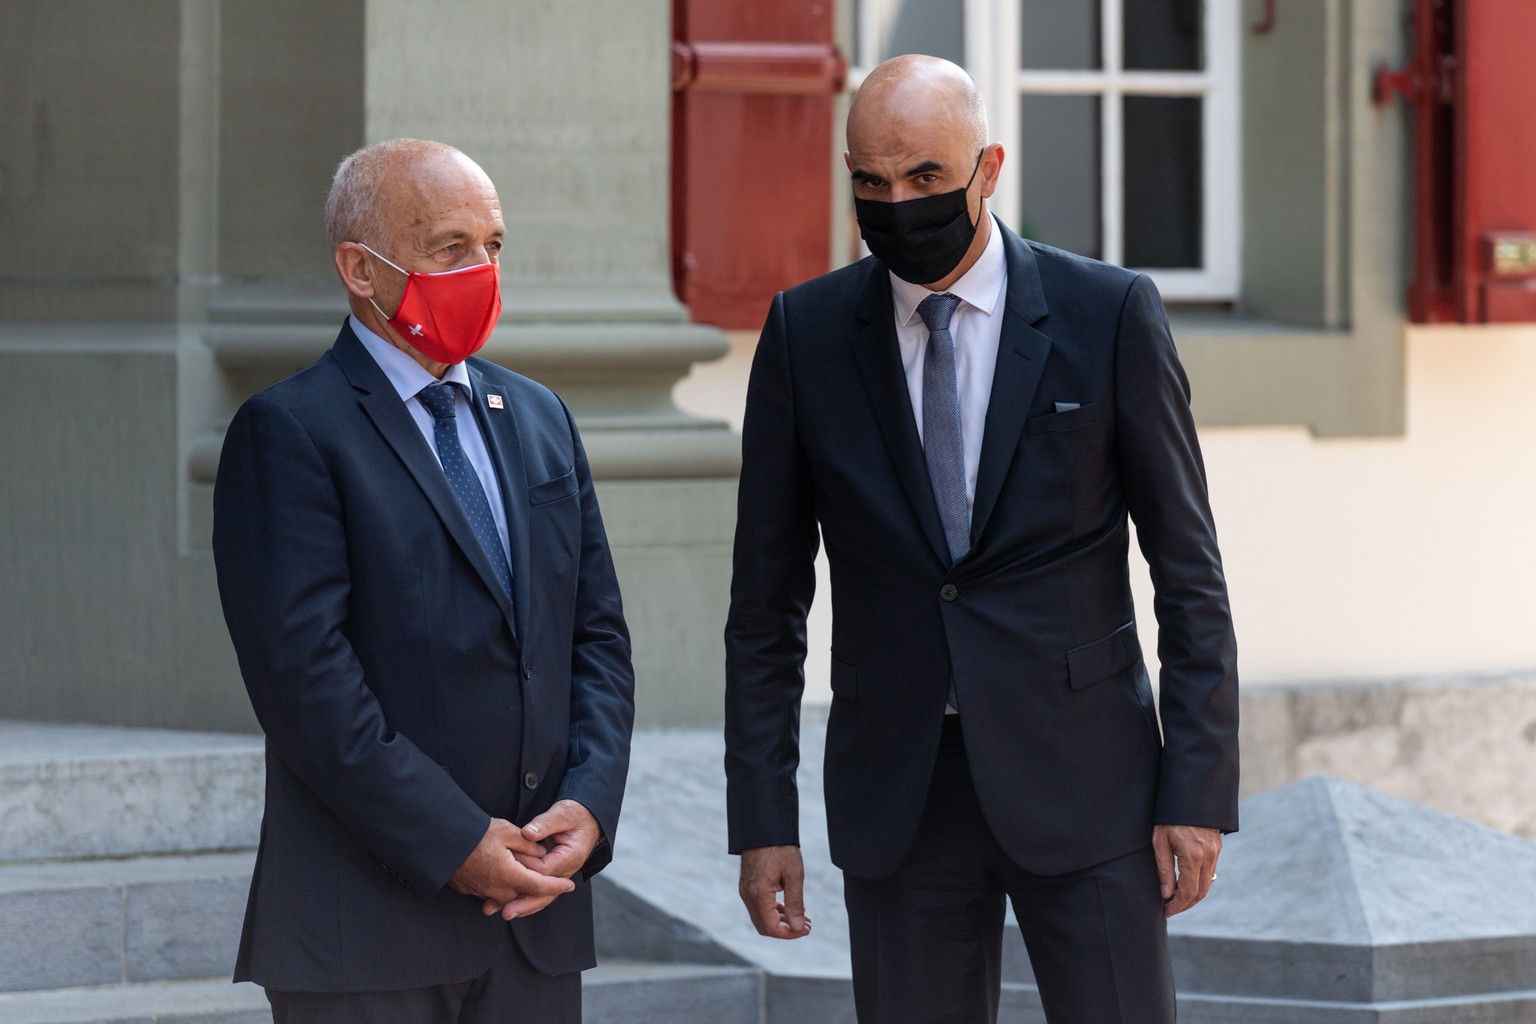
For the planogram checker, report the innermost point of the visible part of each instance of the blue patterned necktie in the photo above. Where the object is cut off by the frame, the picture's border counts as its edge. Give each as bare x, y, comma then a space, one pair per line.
943, 443
439, 400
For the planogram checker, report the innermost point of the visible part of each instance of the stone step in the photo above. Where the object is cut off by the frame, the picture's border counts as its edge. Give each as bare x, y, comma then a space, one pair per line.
203, 1001
144, 919
614, 993
95, 791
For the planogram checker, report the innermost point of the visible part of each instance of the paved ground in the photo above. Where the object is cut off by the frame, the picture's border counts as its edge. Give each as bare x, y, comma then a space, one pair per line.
672, 848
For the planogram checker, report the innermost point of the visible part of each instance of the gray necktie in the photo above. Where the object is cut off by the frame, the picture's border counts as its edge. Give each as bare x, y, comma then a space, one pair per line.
943, 443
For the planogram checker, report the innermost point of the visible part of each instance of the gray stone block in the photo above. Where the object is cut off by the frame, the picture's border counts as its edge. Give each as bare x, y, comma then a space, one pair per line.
76, 923
621, 993
184, 929
1335, 896
54, 938
92, 791
631, 927
802, 1000
181, 1002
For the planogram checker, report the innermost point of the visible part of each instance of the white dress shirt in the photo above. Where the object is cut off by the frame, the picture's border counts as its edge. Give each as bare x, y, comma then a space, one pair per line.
977, 328
409, 377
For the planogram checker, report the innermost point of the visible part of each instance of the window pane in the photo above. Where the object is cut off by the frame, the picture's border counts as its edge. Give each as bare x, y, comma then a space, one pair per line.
935, 27
1059, 172
1164, 35
1059, 35
1163, 186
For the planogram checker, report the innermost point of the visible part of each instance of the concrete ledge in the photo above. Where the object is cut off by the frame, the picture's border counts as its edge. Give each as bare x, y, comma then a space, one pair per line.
101, 922
95, 791
207, 1001
621, 993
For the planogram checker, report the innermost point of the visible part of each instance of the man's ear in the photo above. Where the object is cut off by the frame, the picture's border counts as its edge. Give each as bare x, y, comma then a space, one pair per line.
991, 168
354, 269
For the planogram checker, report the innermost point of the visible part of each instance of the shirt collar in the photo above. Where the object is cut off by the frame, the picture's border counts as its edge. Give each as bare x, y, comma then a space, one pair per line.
980, 287
406, 374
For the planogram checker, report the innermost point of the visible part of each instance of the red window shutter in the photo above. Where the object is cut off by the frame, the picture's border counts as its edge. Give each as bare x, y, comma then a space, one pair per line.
1474, 139
752, 106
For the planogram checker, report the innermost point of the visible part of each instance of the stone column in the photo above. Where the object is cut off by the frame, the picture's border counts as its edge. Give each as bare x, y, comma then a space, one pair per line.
567, 108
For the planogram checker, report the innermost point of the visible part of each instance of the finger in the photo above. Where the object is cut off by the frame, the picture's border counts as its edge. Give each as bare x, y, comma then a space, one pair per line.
547, 824
564, 816
564, 860
525, 906
766, 913
534, 883
490, 907
521, 845
794, 905
1163, 853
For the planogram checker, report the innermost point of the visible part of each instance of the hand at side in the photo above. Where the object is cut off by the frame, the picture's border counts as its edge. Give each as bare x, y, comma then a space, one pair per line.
1195, 851
767, 871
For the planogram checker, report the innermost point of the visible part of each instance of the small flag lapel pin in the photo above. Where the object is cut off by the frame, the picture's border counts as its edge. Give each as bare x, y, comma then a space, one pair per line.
494, 401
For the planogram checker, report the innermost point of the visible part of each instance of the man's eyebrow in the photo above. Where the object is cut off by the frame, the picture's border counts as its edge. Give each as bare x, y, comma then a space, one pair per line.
860, 175
923, 168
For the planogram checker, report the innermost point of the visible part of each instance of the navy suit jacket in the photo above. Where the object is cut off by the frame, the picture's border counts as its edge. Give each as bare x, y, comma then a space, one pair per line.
1035, 623
405, 698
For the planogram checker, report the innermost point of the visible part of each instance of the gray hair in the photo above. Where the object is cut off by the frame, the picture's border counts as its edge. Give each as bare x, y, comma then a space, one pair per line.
353, 212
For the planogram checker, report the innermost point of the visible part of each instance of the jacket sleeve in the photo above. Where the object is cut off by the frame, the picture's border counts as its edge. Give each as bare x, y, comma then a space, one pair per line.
602, 677
772, 583
1165, 492
282, 558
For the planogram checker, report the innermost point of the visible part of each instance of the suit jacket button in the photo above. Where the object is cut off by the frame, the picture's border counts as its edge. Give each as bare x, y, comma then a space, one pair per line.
532, 780
949, 592
527, 672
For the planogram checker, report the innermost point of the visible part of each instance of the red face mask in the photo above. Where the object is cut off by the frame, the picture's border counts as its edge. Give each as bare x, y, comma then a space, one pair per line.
448, 316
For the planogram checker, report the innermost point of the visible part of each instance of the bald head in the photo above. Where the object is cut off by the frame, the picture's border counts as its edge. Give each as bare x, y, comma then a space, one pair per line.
376, 183
917, 93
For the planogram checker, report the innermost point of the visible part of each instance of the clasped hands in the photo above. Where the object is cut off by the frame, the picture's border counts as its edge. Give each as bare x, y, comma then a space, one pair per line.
520, 871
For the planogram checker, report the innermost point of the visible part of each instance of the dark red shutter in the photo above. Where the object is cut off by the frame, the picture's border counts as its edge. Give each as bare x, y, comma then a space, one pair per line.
1474, 139
752, 141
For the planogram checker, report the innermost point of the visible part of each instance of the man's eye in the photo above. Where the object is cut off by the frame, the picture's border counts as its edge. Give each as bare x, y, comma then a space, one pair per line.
493, 247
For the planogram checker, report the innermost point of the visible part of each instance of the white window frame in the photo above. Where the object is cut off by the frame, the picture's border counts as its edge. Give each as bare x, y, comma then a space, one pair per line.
992, 32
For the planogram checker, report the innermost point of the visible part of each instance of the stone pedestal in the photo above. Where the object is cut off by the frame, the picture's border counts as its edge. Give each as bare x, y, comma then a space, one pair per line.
1337, 903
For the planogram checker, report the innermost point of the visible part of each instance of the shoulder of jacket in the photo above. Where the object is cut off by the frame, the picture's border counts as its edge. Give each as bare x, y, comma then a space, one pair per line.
1077, 269
834, 285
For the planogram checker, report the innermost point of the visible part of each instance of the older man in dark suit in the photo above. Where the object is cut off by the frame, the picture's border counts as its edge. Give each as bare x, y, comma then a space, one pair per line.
416, 579
970, 421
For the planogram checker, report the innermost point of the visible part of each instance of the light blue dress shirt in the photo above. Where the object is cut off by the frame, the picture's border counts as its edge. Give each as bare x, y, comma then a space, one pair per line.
409, 377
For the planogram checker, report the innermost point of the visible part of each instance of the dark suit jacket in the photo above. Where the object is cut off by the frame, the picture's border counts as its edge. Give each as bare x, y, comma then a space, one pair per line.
403, 700
1035, 622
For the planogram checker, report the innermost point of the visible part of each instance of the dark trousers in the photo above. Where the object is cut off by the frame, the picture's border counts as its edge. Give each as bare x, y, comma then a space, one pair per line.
927, 942
509, 992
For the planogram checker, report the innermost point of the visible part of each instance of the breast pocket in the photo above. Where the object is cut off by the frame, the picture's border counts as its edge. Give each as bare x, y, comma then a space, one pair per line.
1053, 422
562, 486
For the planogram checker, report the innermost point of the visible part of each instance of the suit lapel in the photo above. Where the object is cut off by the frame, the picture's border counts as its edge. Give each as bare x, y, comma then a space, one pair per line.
1021, 355
499, 427
383, 406
879, 360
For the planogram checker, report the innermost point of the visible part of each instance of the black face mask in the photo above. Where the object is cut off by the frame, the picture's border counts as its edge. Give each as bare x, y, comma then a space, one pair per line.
921, 240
